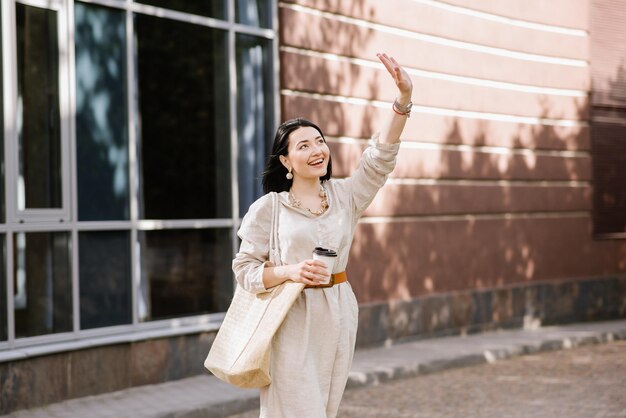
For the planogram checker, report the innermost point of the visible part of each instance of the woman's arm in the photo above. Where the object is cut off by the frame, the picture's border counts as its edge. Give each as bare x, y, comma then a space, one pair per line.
379, 160
309, 272
251, 265
394, 125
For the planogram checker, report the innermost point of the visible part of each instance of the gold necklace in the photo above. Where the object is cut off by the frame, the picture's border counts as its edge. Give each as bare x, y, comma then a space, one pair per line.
324, 206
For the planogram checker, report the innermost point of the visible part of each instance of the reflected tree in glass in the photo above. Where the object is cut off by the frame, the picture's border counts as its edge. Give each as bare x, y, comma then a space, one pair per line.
105, 279
253, 12
185, 135
38, 118
209, 8
254, 115
42, 283
3, 287
2, 203
101, 114
185, 272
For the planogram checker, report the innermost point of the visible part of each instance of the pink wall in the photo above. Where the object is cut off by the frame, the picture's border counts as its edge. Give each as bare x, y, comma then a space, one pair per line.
493, 186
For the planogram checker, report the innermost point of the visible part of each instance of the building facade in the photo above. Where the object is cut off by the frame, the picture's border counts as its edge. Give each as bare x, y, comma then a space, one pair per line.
135, 132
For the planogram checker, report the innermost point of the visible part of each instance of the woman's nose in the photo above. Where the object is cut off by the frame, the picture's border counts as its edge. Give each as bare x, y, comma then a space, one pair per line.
317, 148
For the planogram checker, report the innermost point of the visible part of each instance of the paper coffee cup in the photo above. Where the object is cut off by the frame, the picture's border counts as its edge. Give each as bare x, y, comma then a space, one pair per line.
327, 256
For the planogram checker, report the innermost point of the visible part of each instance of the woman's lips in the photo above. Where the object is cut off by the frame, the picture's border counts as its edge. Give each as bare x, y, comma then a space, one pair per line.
318, 164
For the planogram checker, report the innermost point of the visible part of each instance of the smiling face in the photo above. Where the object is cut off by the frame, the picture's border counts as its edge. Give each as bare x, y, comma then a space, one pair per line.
308, 154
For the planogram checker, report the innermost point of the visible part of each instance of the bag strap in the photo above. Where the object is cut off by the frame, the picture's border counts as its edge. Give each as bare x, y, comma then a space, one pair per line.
274, 244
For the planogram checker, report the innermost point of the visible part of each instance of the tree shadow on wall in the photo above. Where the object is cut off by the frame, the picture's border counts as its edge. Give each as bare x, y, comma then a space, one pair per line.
484, 245
310, 74
551, 240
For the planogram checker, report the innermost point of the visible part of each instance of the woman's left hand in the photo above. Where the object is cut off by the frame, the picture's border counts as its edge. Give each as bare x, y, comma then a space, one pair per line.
399, 74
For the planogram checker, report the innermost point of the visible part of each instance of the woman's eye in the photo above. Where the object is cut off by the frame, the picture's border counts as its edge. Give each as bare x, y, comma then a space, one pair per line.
303, 146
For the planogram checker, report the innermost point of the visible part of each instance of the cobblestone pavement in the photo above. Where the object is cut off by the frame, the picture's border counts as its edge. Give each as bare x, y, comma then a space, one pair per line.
585, 382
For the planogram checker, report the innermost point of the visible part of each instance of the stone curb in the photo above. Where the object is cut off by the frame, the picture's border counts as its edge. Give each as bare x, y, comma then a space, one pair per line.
385, 374
382, 375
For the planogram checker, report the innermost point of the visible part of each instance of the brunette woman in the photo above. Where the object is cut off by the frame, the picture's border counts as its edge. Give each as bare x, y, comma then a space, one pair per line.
312, 351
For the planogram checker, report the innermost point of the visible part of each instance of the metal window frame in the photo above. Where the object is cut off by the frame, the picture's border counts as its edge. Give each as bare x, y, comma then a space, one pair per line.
14, 348
13, 213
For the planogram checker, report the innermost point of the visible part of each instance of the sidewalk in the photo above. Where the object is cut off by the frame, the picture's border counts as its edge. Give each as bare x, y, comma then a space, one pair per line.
206, 396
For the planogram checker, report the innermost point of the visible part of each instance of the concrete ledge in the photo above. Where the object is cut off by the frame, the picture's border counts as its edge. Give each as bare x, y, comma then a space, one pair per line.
206, 396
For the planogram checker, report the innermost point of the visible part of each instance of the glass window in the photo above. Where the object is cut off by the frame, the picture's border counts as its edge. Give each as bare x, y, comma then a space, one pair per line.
609, 174
105, 278
253, 12
183, 103
209, 8
42, 283
3, 291
2, 205
185, 272
38, 121
254, 115
101, 114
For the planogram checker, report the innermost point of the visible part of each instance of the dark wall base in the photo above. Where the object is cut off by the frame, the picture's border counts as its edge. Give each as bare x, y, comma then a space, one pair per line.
530, 305
53, 378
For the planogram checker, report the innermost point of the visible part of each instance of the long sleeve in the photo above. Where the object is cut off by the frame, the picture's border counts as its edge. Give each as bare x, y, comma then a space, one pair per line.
376, 163
253, 253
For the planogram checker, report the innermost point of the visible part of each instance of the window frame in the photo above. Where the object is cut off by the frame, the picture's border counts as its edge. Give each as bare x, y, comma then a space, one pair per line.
48, 221
14, 214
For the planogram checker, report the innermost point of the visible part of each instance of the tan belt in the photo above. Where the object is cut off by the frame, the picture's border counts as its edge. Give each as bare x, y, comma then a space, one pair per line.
334, 279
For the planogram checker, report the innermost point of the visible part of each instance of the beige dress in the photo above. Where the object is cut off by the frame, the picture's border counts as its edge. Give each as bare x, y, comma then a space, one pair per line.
313, 349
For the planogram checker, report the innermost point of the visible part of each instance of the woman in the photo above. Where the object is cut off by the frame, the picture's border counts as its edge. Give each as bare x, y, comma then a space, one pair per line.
312, 350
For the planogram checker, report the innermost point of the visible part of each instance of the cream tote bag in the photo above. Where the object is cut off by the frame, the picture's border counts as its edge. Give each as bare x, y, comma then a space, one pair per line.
240, 354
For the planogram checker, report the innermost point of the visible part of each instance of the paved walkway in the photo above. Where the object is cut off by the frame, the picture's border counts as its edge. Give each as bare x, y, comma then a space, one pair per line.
206, 396
585, 382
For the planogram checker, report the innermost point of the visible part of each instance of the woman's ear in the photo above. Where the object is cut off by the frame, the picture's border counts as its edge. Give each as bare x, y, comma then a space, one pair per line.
284, 161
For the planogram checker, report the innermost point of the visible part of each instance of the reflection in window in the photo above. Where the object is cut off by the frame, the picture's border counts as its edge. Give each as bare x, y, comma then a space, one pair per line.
42, 283
183, 103
101, 116
2, 204
254, 115
209, 8
105, 281
38, 123
253, 12
3, 291
185, 272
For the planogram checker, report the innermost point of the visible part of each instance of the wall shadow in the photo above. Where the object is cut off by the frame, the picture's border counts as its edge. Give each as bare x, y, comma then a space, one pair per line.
502, 234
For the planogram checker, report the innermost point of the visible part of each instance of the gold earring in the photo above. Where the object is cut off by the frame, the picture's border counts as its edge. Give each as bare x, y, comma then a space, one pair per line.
289, 175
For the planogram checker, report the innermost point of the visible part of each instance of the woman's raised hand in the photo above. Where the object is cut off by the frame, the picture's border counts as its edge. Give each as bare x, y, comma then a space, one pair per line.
400, 76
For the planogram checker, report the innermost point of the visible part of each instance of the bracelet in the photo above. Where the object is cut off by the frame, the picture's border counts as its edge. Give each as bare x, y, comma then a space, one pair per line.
402, 110
398, 113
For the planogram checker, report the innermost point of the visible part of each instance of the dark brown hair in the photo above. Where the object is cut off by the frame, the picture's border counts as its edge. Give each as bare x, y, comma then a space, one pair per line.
274, 179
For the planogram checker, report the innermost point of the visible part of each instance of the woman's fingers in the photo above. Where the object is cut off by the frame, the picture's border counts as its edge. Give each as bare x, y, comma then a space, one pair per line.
320, 273
386, 62
400, 76
314, 272
318, 266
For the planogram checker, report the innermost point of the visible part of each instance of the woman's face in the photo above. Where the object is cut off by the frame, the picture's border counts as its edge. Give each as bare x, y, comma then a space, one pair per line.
308, 153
